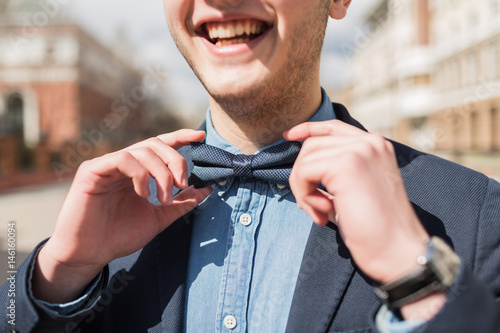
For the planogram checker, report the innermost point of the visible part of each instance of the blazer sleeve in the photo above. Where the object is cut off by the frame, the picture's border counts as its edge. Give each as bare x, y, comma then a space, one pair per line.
24, 315
473, 302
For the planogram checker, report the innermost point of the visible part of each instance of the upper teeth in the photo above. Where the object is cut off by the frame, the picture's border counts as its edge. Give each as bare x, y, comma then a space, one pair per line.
234, 29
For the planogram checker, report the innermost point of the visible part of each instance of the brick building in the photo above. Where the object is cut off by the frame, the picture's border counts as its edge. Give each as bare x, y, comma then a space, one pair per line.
427, 73
64, 97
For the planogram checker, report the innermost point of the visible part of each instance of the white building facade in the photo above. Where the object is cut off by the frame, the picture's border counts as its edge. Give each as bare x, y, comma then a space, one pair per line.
427, 73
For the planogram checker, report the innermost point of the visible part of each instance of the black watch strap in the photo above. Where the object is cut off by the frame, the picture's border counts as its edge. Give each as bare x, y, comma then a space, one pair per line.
436, 273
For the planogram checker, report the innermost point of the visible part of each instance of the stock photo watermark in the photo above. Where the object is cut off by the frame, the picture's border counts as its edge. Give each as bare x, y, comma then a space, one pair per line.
116, 285
31, 23
362, 35
11, 272
120, 111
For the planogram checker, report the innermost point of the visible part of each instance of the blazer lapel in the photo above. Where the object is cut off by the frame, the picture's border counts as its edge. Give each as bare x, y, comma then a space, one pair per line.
325, 271
172, 253
172, 247
342, 114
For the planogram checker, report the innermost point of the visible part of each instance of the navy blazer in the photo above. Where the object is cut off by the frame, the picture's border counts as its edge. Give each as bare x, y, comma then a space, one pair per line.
145, 292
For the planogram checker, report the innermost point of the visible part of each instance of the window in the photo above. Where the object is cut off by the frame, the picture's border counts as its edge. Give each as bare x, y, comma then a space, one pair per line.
495, 128
473, 19
472, 69
474, 123
494, 7
12, 121
493, 63
455, 76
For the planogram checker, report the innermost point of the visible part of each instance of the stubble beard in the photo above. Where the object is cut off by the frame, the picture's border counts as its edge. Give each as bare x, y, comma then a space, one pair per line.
279, 98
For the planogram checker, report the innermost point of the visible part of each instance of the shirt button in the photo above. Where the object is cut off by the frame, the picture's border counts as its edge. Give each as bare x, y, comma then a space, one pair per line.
223, 183
245, 219
230, 322
281, 186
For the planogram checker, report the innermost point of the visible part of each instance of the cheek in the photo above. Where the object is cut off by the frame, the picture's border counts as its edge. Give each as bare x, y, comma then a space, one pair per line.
294, 18
294, 11
177, 13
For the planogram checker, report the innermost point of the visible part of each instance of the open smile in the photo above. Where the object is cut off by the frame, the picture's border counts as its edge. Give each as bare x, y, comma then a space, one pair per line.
232, 32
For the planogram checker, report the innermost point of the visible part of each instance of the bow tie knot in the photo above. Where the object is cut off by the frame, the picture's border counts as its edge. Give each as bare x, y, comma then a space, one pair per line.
242, 165
212, 164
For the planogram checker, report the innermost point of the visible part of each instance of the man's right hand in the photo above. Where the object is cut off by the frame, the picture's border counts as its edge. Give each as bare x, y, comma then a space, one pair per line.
106, 214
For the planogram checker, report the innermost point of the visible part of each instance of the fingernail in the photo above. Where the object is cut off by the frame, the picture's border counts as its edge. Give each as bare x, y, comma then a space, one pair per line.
184, 179
207, 189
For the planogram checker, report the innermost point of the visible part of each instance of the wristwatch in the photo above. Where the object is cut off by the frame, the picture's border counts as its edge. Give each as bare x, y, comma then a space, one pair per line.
436, 273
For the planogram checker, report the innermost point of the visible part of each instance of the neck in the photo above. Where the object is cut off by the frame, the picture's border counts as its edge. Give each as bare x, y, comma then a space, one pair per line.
254, 129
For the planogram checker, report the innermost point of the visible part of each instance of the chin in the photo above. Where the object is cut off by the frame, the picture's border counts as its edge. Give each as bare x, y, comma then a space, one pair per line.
235, 79
234, 89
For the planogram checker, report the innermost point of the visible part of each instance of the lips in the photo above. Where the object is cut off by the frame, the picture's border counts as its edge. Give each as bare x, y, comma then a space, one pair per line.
232, 32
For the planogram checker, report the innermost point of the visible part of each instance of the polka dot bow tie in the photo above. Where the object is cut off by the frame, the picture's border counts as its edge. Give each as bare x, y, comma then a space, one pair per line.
212, 164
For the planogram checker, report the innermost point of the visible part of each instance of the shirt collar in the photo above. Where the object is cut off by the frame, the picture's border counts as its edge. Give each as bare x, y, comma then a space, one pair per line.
325, 112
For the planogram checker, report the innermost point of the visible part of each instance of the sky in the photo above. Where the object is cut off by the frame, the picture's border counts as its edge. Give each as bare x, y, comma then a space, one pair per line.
144, 24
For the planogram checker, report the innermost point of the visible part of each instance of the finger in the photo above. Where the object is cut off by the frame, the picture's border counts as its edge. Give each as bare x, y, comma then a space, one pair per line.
317, 167
309, 199
158, 170
173, 160
318, 217
326, 145
166, 145
309, 171
184, 202
126, 164
318, 201
170, 157
179, 169
318, 207
181, 138
331, 127
332, 215
365, 143
176, 139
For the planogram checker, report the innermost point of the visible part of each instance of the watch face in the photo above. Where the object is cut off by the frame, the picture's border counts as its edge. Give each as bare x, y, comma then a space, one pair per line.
437, 272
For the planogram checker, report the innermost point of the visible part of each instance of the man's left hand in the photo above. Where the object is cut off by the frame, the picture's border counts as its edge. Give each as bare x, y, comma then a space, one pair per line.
365, 196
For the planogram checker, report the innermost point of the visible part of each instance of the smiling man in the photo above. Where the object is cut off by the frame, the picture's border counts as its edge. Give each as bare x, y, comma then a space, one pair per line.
298, 219
258, 61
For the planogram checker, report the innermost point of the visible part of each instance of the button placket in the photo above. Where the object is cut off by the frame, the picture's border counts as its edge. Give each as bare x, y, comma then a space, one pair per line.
235, 284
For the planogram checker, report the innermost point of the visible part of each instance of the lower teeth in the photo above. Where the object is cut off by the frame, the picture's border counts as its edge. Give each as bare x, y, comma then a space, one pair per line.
225, 42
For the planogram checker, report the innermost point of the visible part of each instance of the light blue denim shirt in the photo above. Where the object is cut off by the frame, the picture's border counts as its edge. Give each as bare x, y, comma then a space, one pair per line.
246, 249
